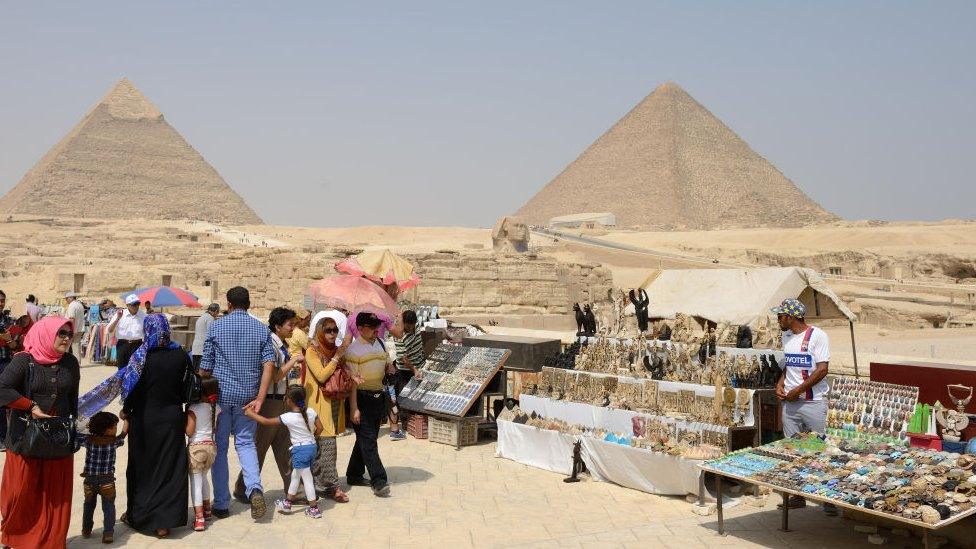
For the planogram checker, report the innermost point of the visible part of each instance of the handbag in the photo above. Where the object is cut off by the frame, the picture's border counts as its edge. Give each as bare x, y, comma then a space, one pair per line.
339, 385
44, 438
192, 383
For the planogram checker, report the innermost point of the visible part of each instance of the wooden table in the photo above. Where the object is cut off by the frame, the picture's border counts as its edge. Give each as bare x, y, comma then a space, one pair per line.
787, 492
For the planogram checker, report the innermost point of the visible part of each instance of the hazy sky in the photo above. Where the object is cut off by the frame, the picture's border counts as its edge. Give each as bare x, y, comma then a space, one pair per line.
455, 113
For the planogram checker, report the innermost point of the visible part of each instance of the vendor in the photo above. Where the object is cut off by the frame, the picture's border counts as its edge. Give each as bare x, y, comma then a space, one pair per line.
803, 386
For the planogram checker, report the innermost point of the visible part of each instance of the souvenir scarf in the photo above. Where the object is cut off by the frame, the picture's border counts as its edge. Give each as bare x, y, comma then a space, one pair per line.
39, 341
157, 335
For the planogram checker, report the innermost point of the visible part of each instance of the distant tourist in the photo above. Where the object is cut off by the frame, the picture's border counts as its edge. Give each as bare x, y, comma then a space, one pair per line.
200, 332
76, 312
149, 308
33, 309
127, 327
8, 346
368, 362
803, 385
281, 324
298, 341
106, 308
239, 353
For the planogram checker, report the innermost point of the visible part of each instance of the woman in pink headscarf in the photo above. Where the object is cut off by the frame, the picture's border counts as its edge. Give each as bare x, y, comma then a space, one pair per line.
35, 497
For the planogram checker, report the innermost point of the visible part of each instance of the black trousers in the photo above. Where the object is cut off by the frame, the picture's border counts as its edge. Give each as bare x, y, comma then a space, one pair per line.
365, 453
124, 350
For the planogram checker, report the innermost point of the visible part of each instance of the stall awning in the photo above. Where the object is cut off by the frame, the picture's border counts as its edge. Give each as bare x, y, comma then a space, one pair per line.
741, 296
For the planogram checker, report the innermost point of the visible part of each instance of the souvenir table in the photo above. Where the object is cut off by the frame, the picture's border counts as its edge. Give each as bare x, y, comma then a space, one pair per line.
917, 487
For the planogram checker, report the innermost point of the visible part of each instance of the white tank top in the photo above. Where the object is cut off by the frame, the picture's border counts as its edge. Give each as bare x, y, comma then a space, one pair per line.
204, 432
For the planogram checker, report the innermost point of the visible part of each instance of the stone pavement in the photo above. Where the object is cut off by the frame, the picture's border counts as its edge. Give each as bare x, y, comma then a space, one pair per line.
470, 498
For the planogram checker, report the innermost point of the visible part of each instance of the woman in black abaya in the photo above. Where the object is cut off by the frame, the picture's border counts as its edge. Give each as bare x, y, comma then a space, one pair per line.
158, 497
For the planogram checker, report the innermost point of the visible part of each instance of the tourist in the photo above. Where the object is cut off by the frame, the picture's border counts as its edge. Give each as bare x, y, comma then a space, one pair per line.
201, 422
76, 312
33, 309
322, 358
157, 447
17, 332
281, 324
239, 353
803, 385
148, 305
127, 327
410, 358
200, 332
101, 445
368, 361
106, 309
298, 341
35, 496
302, 426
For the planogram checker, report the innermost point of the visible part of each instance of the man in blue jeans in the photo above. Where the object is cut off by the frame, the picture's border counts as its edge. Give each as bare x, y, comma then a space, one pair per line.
239, 354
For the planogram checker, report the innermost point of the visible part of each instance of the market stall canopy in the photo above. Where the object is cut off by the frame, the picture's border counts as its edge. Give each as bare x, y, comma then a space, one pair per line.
350, 292
381, 266
741, 296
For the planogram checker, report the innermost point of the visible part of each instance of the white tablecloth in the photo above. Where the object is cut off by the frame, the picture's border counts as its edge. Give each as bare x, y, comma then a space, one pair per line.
651, 472
636, 468
611, 419
541, 448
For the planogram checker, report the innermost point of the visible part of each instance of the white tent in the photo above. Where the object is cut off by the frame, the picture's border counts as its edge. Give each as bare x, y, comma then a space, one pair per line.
741, 296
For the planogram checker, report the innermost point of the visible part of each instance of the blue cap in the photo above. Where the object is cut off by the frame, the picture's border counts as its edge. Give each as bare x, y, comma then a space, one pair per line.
791, 307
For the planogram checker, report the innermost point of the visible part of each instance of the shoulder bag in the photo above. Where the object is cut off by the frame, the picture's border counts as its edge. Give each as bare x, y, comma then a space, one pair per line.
44, 438
192, 383
339, 385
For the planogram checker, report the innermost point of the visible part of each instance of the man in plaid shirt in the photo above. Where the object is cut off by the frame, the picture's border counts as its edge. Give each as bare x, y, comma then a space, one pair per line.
238, 352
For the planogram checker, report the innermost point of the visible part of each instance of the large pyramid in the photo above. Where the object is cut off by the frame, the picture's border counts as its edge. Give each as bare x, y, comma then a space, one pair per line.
124, 160
669, 163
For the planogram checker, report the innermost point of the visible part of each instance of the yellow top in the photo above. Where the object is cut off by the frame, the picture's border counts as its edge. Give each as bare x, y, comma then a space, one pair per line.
331, 412
297, 344
369, 362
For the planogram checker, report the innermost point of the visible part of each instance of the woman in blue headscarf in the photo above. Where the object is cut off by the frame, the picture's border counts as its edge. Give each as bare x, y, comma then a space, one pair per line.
152, 389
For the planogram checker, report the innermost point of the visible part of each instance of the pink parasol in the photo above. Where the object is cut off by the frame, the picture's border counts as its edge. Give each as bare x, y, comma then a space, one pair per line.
382, 267
349, 293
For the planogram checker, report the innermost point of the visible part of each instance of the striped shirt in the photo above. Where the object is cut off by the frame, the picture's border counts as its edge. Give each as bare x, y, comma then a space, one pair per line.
369, 362
412, 347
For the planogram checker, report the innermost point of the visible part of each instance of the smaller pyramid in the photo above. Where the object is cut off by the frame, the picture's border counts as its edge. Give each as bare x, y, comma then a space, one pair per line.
123, 160
670, 163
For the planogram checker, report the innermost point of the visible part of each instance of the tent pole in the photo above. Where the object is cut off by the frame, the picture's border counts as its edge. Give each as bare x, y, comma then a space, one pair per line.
854, 349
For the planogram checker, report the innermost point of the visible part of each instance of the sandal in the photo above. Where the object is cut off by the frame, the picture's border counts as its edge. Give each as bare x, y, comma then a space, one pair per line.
340, 496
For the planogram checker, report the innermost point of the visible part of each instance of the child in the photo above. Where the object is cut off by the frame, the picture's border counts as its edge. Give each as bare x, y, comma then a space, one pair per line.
101, 444
201, 418
303, 426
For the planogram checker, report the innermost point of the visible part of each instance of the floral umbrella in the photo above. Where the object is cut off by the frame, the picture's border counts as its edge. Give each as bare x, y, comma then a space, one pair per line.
381, 266
349, 292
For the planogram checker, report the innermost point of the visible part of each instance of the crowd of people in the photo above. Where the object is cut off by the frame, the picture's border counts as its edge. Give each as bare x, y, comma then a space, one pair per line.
290, 385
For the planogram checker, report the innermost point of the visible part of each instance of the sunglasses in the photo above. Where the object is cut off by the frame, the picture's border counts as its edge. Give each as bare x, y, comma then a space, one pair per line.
330, 330
65, 334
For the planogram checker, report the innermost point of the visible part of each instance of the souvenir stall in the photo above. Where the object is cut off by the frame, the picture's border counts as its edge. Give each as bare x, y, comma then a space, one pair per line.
882, 455
449, 394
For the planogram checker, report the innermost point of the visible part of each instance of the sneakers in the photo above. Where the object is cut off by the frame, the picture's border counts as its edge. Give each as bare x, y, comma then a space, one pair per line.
382, 491
283, 506
313, 512
199, 523
397, 435
258, 505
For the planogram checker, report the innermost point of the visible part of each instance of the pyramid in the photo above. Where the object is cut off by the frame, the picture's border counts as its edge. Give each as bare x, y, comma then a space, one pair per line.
123, 160
669, 163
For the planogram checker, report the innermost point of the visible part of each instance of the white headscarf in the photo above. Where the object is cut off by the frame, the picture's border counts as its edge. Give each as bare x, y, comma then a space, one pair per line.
339, 318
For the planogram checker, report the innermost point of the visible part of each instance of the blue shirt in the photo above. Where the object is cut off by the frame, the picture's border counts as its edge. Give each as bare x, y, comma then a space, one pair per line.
236, 348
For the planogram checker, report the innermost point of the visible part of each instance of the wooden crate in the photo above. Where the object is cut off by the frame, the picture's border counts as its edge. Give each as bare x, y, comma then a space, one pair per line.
458, 432
417, 426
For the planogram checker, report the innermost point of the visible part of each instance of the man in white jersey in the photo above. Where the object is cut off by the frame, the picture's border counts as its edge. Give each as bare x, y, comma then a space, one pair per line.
803, 386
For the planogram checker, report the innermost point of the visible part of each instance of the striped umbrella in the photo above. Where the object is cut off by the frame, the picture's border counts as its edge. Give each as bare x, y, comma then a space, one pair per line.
165, 296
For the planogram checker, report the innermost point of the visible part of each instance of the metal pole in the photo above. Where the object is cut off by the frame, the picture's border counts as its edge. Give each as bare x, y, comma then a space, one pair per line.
854, 349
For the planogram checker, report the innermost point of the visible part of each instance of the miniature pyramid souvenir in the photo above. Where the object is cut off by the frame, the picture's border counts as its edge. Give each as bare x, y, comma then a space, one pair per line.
670, 162
123, 160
